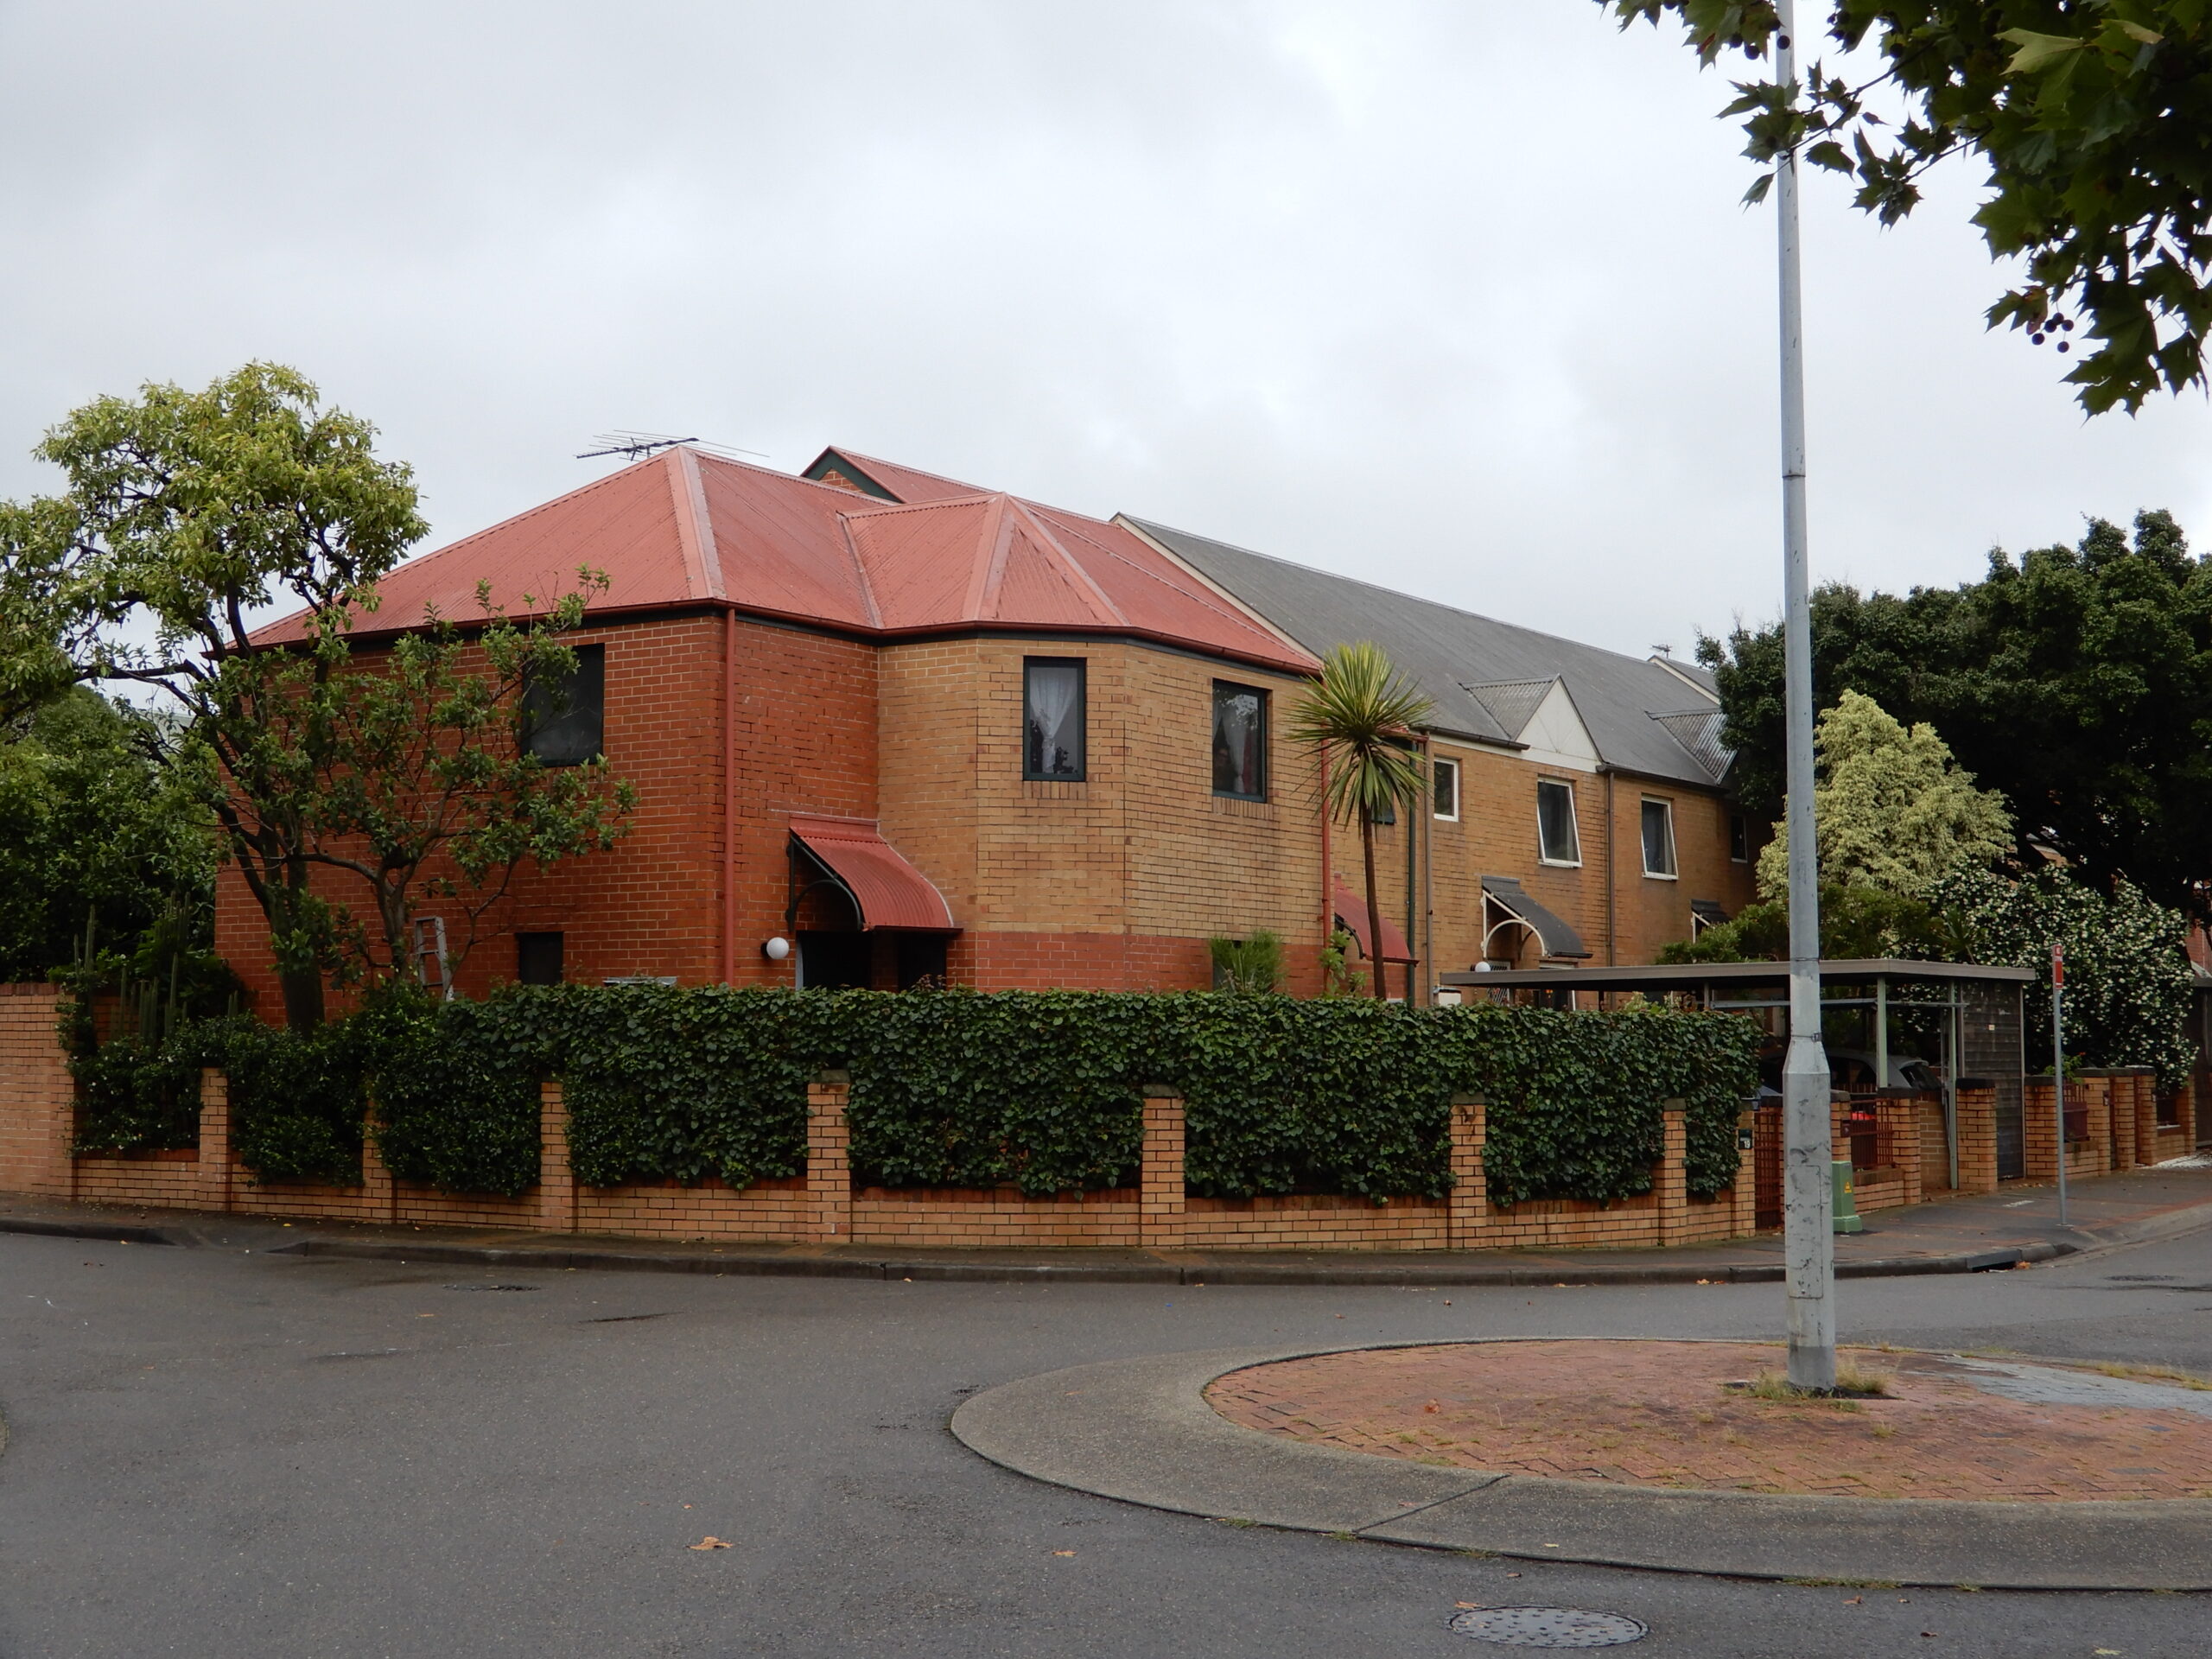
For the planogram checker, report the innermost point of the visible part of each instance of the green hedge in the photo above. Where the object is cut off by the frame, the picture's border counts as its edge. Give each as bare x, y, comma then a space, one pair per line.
1038, 1090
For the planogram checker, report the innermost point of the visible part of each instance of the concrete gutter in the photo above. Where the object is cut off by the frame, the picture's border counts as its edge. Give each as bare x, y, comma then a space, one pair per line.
1140, 1431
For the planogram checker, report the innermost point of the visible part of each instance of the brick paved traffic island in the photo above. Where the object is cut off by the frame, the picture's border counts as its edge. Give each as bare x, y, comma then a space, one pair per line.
1676, 1415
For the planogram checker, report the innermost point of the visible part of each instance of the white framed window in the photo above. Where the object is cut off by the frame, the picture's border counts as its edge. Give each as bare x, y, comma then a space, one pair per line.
1445, 775
1557, 839
1739, 839
1659, 840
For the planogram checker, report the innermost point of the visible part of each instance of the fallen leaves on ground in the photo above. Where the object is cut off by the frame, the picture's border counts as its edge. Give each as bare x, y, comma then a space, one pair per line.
709, 1543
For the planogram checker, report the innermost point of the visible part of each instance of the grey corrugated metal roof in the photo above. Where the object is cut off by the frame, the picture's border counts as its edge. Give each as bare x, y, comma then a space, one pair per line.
1511, 704
1444, 651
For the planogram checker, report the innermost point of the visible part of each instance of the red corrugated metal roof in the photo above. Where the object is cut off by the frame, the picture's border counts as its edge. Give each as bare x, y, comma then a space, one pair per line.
1351, 910
905, 483
687, 529
891, 893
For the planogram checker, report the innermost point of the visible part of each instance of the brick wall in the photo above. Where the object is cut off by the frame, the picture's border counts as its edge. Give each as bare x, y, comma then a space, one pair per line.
1496, 835
35, 1093
1114, 882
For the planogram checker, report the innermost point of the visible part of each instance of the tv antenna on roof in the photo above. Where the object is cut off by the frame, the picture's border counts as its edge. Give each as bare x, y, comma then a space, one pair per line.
636, 446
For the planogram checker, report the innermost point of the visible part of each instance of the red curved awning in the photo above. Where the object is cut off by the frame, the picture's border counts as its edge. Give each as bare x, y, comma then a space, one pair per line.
890, 892
1351, 912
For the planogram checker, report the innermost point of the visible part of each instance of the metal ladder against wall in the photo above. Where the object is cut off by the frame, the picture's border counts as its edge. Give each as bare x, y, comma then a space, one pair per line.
430, 953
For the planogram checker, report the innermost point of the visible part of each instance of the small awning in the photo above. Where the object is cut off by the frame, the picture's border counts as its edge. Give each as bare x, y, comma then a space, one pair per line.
1351, 913
885, 889
1708, 912
1556, 937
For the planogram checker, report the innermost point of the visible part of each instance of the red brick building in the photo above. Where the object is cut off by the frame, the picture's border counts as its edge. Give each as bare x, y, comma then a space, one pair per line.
910, 728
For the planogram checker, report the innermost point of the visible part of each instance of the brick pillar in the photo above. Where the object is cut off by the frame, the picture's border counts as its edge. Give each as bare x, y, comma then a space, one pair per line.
2119, 1115
1669, 1183
380, 1191
38, 1098
2039, 1128
556, 1182
1160, 1194
1977, 1121
1744, 1190
1469, 1204
829, 1169
2186, 1115
218, 1170
1899, 1116
2146, 1116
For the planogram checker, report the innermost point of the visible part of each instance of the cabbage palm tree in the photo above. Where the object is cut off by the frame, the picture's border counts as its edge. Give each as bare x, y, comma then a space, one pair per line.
1358, 719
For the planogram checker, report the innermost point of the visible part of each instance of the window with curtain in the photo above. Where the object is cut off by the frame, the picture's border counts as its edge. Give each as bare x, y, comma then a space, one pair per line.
1240, 741
1053, 717
564, 719
1559, 840
1446, 776
1659, 839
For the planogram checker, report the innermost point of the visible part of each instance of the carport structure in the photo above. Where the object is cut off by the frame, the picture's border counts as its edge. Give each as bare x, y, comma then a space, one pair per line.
1975, 1010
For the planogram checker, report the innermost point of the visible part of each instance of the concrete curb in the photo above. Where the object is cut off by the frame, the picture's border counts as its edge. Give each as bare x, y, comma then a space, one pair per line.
105, 1231
1379, 1269
1140, 1431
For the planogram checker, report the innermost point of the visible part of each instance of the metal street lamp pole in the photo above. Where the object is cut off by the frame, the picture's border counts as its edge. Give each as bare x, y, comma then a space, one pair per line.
1808, 1238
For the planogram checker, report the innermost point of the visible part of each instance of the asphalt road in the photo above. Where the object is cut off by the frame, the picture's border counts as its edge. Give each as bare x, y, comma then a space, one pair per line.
223, 1454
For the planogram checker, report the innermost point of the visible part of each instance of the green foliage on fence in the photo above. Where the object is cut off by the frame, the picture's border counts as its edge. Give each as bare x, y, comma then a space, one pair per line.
135, 1093
1040, 1091
455, 1088
297, 1103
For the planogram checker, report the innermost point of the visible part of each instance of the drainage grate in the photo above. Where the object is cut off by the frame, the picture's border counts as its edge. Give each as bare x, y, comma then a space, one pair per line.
491, 1287
1548, 1627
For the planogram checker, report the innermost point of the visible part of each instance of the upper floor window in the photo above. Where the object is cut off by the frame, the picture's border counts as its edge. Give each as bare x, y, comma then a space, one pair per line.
564, 718
1445, 775
1240, 741
1053, 718
1740, 838
538, 958
1559, 840
1659, 839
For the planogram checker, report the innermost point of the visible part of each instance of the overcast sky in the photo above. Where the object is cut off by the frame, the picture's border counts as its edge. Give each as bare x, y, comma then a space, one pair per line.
1452, 294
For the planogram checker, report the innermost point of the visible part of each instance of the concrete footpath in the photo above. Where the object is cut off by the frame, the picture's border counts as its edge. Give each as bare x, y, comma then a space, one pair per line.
2002, 1230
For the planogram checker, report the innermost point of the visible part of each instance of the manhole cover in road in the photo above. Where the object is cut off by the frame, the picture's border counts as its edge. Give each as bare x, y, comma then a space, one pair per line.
491, 1287
1546, 1627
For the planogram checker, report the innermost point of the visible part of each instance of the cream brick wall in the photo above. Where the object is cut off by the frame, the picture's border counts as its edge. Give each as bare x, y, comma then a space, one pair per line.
1142, 847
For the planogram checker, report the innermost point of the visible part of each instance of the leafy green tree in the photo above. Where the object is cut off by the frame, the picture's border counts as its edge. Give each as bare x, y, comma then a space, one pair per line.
1895, 811
188, 513
1358, 720
2093, 118
2077, 682
99, 837
2129, 985
431, 796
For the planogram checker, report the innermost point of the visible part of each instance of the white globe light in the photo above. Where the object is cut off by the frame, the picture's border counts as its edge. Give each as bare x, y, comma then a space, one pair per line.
776, 949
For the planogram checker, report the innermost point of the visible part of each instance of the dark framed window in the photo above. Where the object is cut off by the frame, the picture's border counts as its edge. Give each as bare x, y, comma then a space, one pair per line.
1240, 741
1446, 775
538, 958
1740, 838
564, 719
1055, 721
1659, 839
1559, 840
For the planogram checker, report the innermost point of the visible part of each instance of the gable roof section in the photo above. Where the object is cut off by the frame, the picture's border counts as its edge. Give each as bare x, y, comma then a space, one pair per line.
1465, 663
684, 530
887, 480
